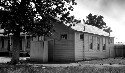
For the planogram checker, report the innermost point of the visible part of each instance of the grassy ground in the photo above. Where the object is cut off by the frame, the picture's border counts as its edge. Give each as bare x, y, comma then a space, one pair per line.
95, 66
71, 69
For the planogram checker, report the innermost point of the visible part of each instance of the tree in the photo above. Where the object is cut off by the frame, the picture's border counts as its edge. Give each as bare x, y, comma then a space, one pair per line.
96, 21
108, 30
34, 17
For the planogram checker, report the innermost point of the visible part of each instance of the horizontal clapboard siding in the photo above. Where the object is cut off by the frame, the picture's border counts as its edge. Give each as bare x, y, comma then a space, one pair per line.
86, 42
96, 54
63, 50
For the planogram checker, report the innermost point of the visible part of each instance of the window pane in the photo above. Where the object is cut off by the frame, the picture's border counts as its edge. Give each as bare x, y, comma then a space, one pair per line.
82, 36
104, 44
63, 36
110, 40
91, 42
91, 46
98, 43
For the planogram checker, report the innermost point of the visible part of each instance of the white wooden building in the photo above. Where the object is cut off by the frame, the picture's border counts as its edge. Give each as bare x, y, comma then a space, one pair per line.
76, 43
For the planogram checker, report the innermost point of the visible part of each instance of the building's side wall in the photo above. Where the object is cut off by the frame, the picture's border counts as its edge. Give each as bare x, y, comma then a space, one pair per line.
87, 53
82, 47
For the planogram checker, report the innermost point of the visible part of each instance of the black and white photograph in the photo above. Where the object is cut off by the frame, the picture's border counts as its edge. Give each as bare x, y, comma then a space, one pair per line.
62, 36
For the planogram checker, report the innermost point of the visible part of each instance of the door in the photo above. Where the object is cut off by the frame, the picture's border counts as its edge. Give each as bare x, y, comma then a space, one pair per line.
51, 50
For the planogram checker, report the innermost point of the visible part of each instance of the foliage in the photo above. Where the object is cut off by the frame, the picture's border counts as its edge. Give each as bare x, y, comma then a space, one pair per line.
34, 16
107, 29
96, 20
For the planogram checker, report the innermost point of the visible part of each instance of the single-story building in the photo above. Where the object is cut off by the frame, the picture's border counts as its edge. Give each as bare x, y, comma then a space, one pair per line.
74, 44
6, 44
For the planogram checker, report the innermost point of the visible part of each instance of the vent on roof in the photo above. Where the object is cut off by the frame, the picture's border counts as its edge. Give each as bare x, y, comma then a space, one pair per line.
84, 28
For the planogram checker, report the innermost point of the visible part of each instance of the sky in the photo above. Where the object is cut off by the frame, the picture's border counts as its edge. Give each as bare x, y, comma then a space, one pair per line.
113, 12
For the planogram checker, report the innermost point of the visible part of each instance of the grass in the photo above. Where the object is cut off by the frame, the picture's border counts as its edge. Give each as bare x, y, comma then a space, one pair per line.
106, 61
76, 69
81, 68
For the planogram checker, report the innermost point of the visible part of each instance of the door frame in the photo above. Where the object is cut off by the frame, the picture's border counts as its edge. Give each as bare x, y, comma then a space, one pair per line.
51, 57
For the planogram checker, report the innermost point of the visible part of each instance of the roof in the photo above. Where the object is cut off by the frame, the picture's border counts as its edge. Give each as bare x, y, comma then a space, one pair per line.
89, 29
82, 28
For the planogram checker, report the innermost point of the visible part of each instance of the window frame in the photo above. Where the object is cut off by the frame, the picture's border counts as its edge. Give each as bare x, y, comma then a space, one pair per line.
111, 40
91, 42
82, 36
98, 43
64, 35
104, 44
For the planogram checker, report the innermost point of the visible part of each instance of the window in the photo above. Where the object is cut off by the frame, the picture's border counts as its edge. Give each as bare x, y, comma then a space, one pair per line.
2, 39
82, 36
91, 46
109, 41
98, 43
84, 28
104, 47
104, 43
91, 42
63, 36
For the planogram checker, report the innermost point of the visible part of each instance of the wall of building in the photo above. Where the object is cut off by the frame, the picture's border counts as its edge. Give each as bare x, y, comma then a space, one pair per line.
39, 51
83, 49
61, 48
99, 53
79, 46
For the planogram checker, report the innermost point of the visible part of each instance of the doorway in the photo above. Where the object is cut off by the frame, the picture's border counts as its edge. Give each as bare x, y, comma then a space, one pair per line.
51, 50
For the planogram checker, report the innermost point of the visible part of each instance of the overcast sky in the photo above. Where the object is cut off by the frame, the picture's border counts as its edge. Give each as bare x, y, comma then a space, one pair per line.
112, 10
